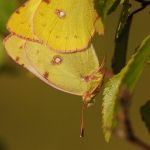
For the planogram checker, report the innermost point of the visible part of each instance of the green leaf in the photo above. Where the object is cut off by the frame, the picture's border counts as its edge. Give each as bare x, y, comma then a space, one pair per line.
135, 66
114, 6
106, 6
145, 113
99, 5
127, 78
6, 9
109, 102
124, 18
121, 38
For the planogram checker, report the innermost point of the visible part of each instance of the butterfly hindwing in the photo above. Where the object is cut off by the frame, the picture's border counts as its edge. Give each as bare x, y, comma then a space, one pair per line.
75, 73
67, 72
15, 49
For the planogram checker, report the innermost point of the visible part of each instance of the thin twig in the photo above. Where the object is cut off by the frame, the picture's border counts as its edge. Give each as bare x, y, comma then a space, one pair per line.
129, 134
143, 2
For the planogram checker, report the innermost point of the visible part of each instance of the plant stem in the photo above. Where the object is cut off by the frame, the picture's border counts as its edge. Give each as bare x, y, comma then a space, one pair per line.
118, 63
129, 134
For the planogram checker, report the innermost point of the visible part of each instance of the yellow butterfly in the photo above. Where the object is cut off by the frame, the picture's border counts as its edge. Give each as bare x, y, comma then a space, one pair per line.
76, 73
65, 26
20, 23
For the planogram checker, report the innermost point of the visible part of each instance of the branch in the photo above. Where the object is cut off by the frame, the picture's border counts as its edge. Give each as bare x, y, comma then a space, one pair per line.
125, 123
121, 41
143, 2
118, 63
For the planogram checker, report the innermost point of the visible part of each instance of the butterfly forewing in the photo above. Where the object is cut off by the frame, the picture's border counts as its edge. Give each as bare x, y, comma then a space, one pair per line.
66, 25
21, 21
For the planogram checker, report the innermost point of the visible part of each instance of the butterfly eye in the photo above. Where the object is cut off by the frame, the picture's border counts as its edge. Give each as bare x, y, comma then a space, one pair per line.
60, 13
57, 59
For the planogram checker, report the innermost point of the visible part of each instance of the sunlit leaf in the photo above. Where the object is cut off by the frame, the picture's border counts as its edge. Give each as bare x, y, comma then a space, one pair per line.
109, 102
127, 78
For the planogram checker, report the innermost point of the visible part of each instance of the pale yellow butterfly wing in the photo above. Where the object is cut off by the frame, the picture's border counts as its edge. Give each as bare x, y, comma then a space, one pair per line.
75, 73
20, 23
15, 49
66, 25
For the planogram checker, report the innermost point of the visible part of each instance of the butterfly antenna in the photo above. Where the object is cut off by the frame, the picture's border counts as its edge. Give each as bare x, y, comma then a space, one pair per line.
82, 122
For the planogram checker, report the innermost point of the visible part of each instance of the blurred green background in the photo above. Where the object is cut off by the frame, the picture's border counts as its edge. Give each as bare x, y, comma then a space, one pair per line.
34, 116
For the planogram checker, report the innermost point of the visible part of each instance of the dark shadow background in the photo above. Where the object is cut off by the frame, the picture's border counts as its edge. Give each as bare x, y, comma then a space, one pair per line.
34, 116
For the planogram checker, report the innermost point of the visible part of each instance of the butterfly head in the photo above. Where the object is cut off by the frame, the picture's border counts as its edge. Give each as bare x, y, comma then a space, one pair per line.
89, 97
95, 83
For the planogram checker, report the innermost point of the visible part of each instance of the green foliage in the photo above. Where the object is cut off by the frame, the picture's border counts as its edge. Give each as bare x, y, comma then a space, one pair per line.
145, 113
127, 78
105, 7
136, 64
110, 93
124, 18
114, 6
121, 38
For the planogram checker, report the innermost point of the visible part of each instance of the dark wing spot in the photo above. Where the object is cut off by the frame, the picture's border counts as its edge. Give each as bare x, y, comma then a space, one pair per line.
46, 1
45, 75
23, 5
60, 13
88, 78
57, 60
21, 47
17, 11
